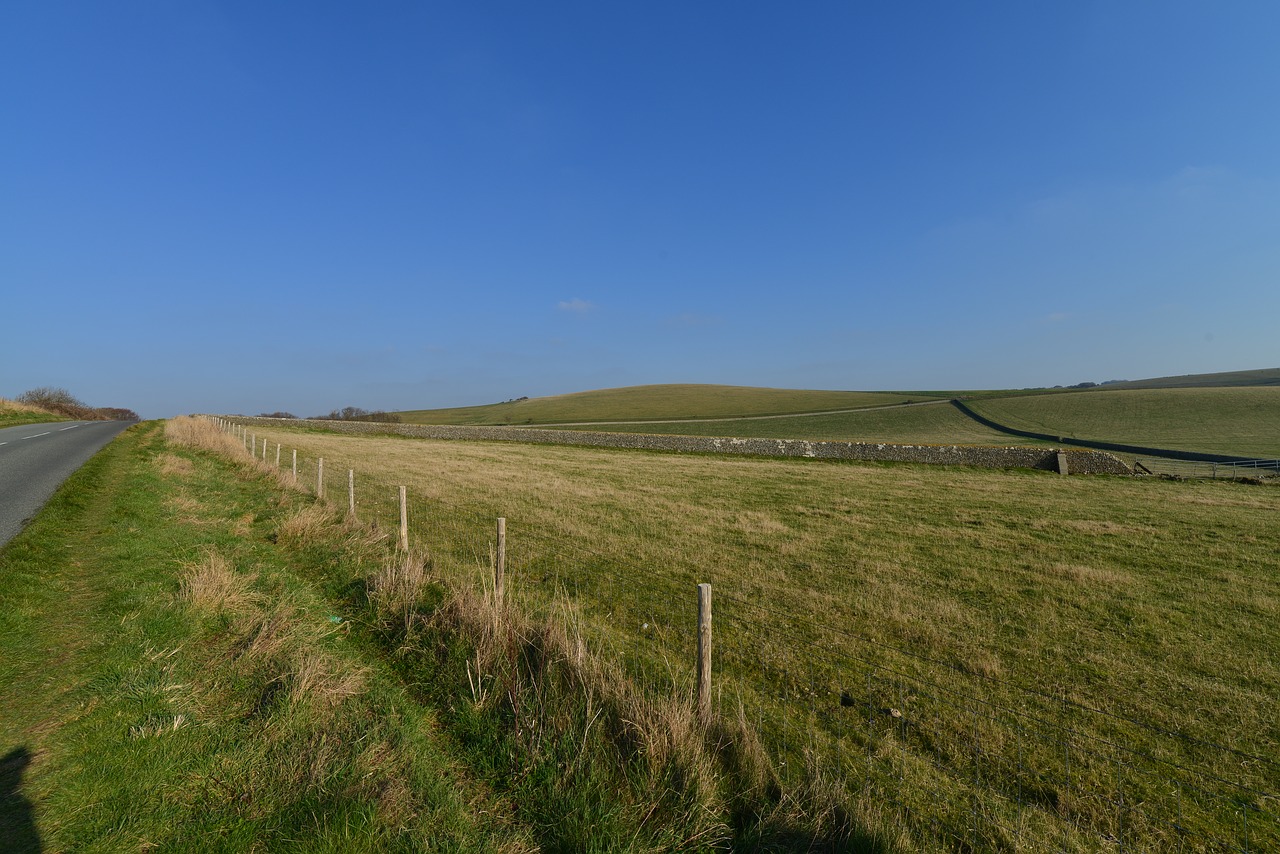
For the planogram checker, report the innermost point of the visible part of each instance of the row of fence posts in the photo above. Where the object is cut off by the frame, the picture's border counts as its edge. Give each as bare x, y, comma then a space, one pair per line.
703, 692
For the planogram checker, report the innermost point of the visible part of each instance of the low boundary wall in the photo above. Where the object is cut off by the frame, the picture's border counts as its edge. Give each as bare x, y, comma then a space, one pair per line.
1077, 461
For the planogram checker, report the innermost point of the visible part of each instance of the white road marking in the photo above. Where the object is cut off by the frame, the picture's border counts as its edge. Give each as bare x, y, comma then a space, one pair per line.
37, 436
72, 427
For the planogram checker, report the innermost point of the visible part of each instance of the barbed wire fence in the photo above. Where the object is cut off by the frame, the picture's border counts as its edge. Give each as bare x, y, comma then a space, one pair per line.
966, 761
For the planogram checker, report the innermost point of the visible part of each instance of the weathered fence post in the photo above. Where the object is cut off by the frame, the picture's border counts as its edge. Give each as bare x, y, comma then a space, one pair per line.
277, 455
320, 478
404, 521
500, 563
351, 492
295, 465
704, 652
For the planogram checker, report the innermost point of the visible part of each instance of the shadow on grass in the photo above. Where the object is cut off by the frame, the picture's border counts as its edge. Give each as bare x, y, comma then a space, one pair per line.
17, 819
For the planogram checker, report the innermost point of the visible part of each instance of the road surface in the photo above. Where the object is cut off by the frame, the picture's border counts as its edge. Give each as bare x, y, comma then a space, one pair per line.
36, 458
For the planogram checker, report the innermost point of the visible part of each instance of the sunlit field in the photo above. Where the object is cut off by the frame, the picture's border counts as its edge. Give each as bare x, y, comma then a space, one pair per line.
1008, 657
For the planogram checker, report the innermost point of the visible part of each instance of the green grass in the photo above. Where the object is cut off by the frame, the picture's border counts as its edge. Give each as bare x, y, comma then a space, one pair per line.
1071, 659
13, 414
656, 402
1240, 421
148, 722
932, 424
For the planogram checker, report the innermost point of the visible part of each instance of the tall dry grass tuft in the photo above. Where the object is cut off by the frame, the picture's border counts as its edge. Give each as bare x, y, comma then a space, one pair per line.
306, 526
282, 648
396, 589
322, 680
539, 671
200, 433
212, 584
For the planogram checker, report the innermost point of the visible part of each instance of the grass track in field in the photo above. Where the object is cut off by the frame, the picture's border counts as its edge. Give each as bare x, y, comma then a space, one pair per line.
1242, 421
656, 402
1152, 601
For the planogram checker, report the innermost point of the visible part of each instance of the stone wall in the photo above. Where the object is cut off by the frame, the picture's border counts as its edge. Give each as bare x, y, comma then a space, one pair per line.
1078, 461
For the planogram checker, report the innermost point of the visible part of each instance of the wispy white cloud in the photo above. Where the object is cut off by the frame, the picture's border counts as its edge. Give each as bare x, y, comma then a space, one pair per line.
576, 306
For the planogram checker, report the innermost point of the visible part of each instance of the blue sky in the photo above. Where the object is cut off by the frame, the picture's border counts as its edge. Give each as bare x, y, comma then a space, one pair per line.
253, 206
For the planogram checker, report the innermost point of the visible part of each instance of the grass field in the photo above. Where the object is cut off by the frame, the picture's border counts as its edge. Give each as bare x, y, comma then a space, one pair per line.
1015, 660
13, 413
656, 402
932, 424
1242, 421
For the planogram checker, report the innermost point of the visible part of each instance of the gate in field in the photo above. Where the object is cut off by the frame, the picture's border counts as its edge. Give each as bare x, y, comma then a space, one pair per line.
1235, 470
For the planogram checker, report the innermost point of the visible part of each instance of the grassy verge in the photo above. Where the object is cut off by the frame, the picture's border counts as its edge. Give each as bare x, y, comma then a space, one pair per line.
13, 414
1058, 661
172, 683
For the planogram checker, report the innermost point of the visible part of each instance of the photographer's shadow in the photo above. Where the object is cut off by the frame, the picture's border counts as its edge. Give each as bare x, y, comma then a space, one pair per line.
18, 834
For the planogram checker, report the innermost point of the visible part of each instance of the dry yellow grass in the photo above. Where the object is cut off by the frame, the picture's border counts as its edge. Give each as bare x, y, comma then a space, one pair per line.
173, 466
1076, 588
397, 588
7, 405
212, 584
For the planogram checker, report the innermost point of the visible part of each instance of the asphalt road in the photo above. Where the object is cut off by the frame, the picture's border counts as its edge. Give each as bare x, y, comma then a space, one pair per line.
36, 458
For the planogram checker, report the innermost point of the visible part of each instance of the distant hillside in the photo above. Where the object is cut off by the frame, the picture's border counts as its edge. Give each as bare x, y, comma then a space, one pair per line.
1235, 420
658, 402
1264, 377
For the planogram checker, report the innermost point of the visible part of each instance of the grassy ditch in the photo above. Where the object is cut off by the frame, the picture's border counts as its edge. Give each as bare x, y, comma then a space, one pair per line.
1003, 659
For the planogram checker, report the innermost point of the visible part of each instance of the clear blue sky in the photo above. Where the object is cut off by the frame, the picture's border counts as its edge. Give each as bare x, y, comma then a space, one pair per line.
252, 206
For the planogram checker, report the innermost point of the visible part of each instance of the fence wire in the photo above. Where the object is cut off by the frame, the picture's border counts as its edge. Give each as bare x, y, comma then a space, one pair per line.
965, 761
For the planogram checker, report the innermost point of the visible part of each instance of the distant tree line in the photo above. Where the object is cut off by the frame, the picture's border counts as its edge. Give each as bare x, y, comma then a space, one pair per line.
355, 413
62, 402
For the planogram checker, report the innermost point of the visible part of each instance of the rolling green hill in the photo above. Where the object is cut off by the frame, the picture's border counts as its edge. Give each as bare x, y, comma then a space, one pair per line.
932, 424
1229, 420
673, 402
1231, 413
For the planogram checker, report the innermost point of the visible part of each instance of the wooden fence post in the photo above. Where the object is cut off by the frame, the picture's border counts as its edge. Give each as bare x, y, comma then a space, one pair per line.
277, 455
704, 652
320, 478
500, 562
351, 492
295, 465
404, 521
